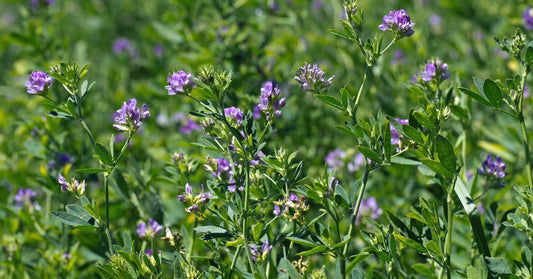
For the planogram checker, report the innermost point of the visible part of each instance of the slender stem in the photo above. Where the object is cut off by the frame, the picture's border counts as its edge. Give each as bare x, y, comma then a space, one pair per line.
524, 130
387, 48
87, 131
448, 242
130, 136
191, 247
235, 256
245, 215
359, 93
107, 231
354, 217
155, 254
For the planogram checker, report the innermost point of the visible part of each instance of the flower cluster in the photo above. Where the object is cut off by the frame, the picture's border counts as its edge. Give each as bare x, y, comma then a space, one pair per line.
293, 207
369, 207
260, 253
312, 79
399, 23
336, 159
74, 186
269, 103
179, 83
234, 115
148, 232
528, 19
493, 168
195, 201
26, 197
38, 82
124, 45
333, 182
129, 117
435, 70
220, 168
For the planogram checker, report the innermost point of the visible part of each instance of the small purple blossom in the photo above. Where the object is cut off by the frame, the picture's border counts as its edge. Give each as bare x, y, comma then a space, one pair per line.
180, 83
435, 70
158, 50
333, 182
189, 127
25, 197
435, 20
124, 45
74, 186
335, 159
63, 182
38, 82
357, 162
257, 158
493, 167
399, 23
398, 58
35, 3
369, 207
129, 117
312, 79
257, 113
148, 232
260, 253
269, 103
234, 114
528, 18
62, 160
195, 201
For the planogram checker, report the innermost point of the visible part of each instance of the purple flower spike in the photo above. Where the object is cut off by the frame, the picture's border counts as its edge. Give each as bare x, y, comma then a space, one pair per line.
435, 70
25, 197
269, 102
180, 83
129, 117
141, 229
395, 136
155, 226
38, 82
312, 79
335, 159
235, 115
369, 207
63, 182
259, 254
493, 167
528, 19
148, 232
399, 23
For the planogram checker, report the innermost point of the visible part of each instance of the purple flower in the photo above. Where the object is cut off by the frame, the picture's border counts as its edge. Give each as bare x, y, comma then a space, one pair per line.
333, 182
369, 207
25, 197
335, 159
312, 79
62, 160
63, 182
435, 70
435, 19
124, 45
493, 167
395, 136
195, 201
234, 114
189, 127
357, 162
180, 83
129, 117
269, 103
148, 232
277, 210
528, 18
257, 113
38, 82
158, 50
257, 158
35, 3
259, 254
399, 23
398, 58
293, 197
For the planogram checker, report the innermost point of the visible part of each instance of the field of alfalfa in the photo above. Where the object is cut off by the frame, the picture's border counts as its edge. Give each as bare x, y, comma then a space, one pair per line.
266, 139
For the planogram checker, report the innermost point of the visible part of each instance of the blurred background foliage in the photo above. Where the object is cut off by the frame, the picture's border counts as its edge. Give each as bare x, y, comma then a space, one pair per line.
255, 40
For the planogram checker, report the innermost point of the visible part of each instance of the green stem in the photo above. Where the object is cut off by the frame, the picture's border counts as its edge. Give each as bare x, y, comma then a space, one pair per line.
448, 241
359, 93
245, 215
191, 247
354, 217
524, 130
387, 48
155, 254
107, 231
234, 261
87, 131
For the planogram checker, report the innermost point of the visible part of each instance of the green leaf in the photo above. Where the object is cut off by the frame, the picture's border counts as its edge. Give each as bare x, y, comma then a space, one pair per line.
445, 153
257, 230
370, 154
413, 134
529, 54
475, 96
103, 154
473, 216
434, 248
437, 167
423, 120
410, 243
338, 33
387, 142
356, 260
339, 192
459, 112
493, 93
405, 161
302, 241
211, 232
70, 219
287, 267
498, 266
330, 100
423, 269
58, 114
78, 210
316, 250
